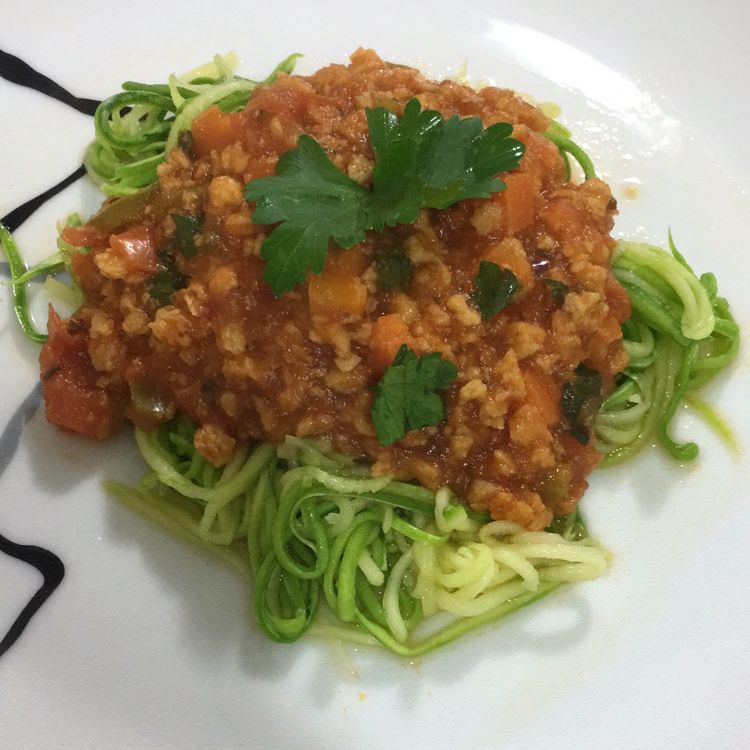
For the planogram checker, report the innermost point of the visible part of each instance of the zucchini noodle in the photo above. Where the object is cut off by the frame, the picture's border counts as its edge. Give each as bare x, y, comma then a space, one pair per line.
19, 275
138, 127
680, 335
68, 292
379, 556
560, 136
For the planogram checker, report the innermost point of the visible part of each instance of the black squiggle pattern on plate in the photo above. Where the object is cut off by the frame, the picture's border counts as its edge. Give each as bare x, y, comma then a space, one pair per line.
53, 571
46, 562
11, 435
17, 216
17, 71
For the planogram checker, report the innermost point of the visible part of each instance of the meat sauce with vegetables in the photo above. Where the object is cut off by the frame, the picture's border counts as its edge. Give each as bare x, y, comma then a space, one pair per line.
177, 316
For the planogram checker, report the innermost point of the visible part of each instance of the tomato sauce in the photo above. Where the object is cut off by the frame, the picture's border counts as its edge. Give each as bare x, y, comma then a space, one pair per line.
245, 365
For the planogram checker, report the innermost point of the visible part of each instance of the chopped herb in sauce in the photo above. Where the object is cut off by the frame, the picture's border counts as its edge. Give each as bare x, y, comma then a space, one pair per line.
406, 398
558, 289
186, 227
580, 401
167, 280
493, 289
394, 270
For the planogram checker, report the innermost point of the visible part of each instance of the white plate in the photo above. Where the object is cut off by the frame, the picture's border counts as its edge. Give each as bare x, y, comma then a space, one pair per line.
147, 643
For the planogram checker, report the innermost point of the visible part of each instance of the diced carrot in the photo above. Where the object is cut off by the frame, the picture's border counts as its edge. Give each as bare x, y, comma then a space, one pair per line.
334, 295
215, 130
351, 262
519, 201
543, 392
136, 247
388, 333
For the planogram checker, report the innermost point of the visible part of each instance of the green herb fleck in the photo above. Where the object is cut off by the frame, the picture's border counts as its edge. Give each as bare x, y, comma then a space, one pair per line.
186, 228
394, 270
557, 289
167, 280
493, 289
581, 398
405, 398
422, 161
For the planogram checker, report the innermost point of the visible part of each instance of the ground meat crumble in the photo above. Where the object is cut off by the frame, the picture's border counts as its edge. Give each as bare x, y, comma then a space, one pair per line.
245, 365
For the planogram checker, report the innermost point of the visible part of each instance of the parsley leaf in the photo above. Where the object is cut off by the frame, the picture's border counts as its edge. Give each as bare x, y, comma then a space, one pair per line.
405, 397
186, 228
493, 288
315, 202
422, 161
394, 270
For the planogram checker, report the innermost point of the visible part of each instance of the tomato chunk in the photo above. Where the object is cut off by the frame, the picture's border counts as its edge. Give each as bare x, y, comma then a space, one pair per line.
72, 400
73, 407
214, 130
136, 247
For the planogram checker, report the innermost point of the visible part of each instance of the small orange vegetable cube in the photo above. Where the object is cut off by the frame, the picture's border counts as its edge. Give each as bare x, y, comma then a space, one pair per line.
333, 295
351, 262
388, 333
214, 130
544, 394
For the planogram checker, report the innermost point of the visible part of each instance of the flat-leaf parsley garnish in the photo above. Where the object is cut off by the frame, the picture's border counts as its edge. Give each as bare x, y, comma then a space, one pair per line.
421, 161
424, 161
405, 398
493, 288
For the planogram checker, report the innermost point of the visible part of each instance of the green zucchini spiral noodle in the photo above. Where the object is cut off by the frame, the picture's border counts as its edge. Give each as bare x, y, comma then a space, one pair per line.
329, 548
138, 127
679, 336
